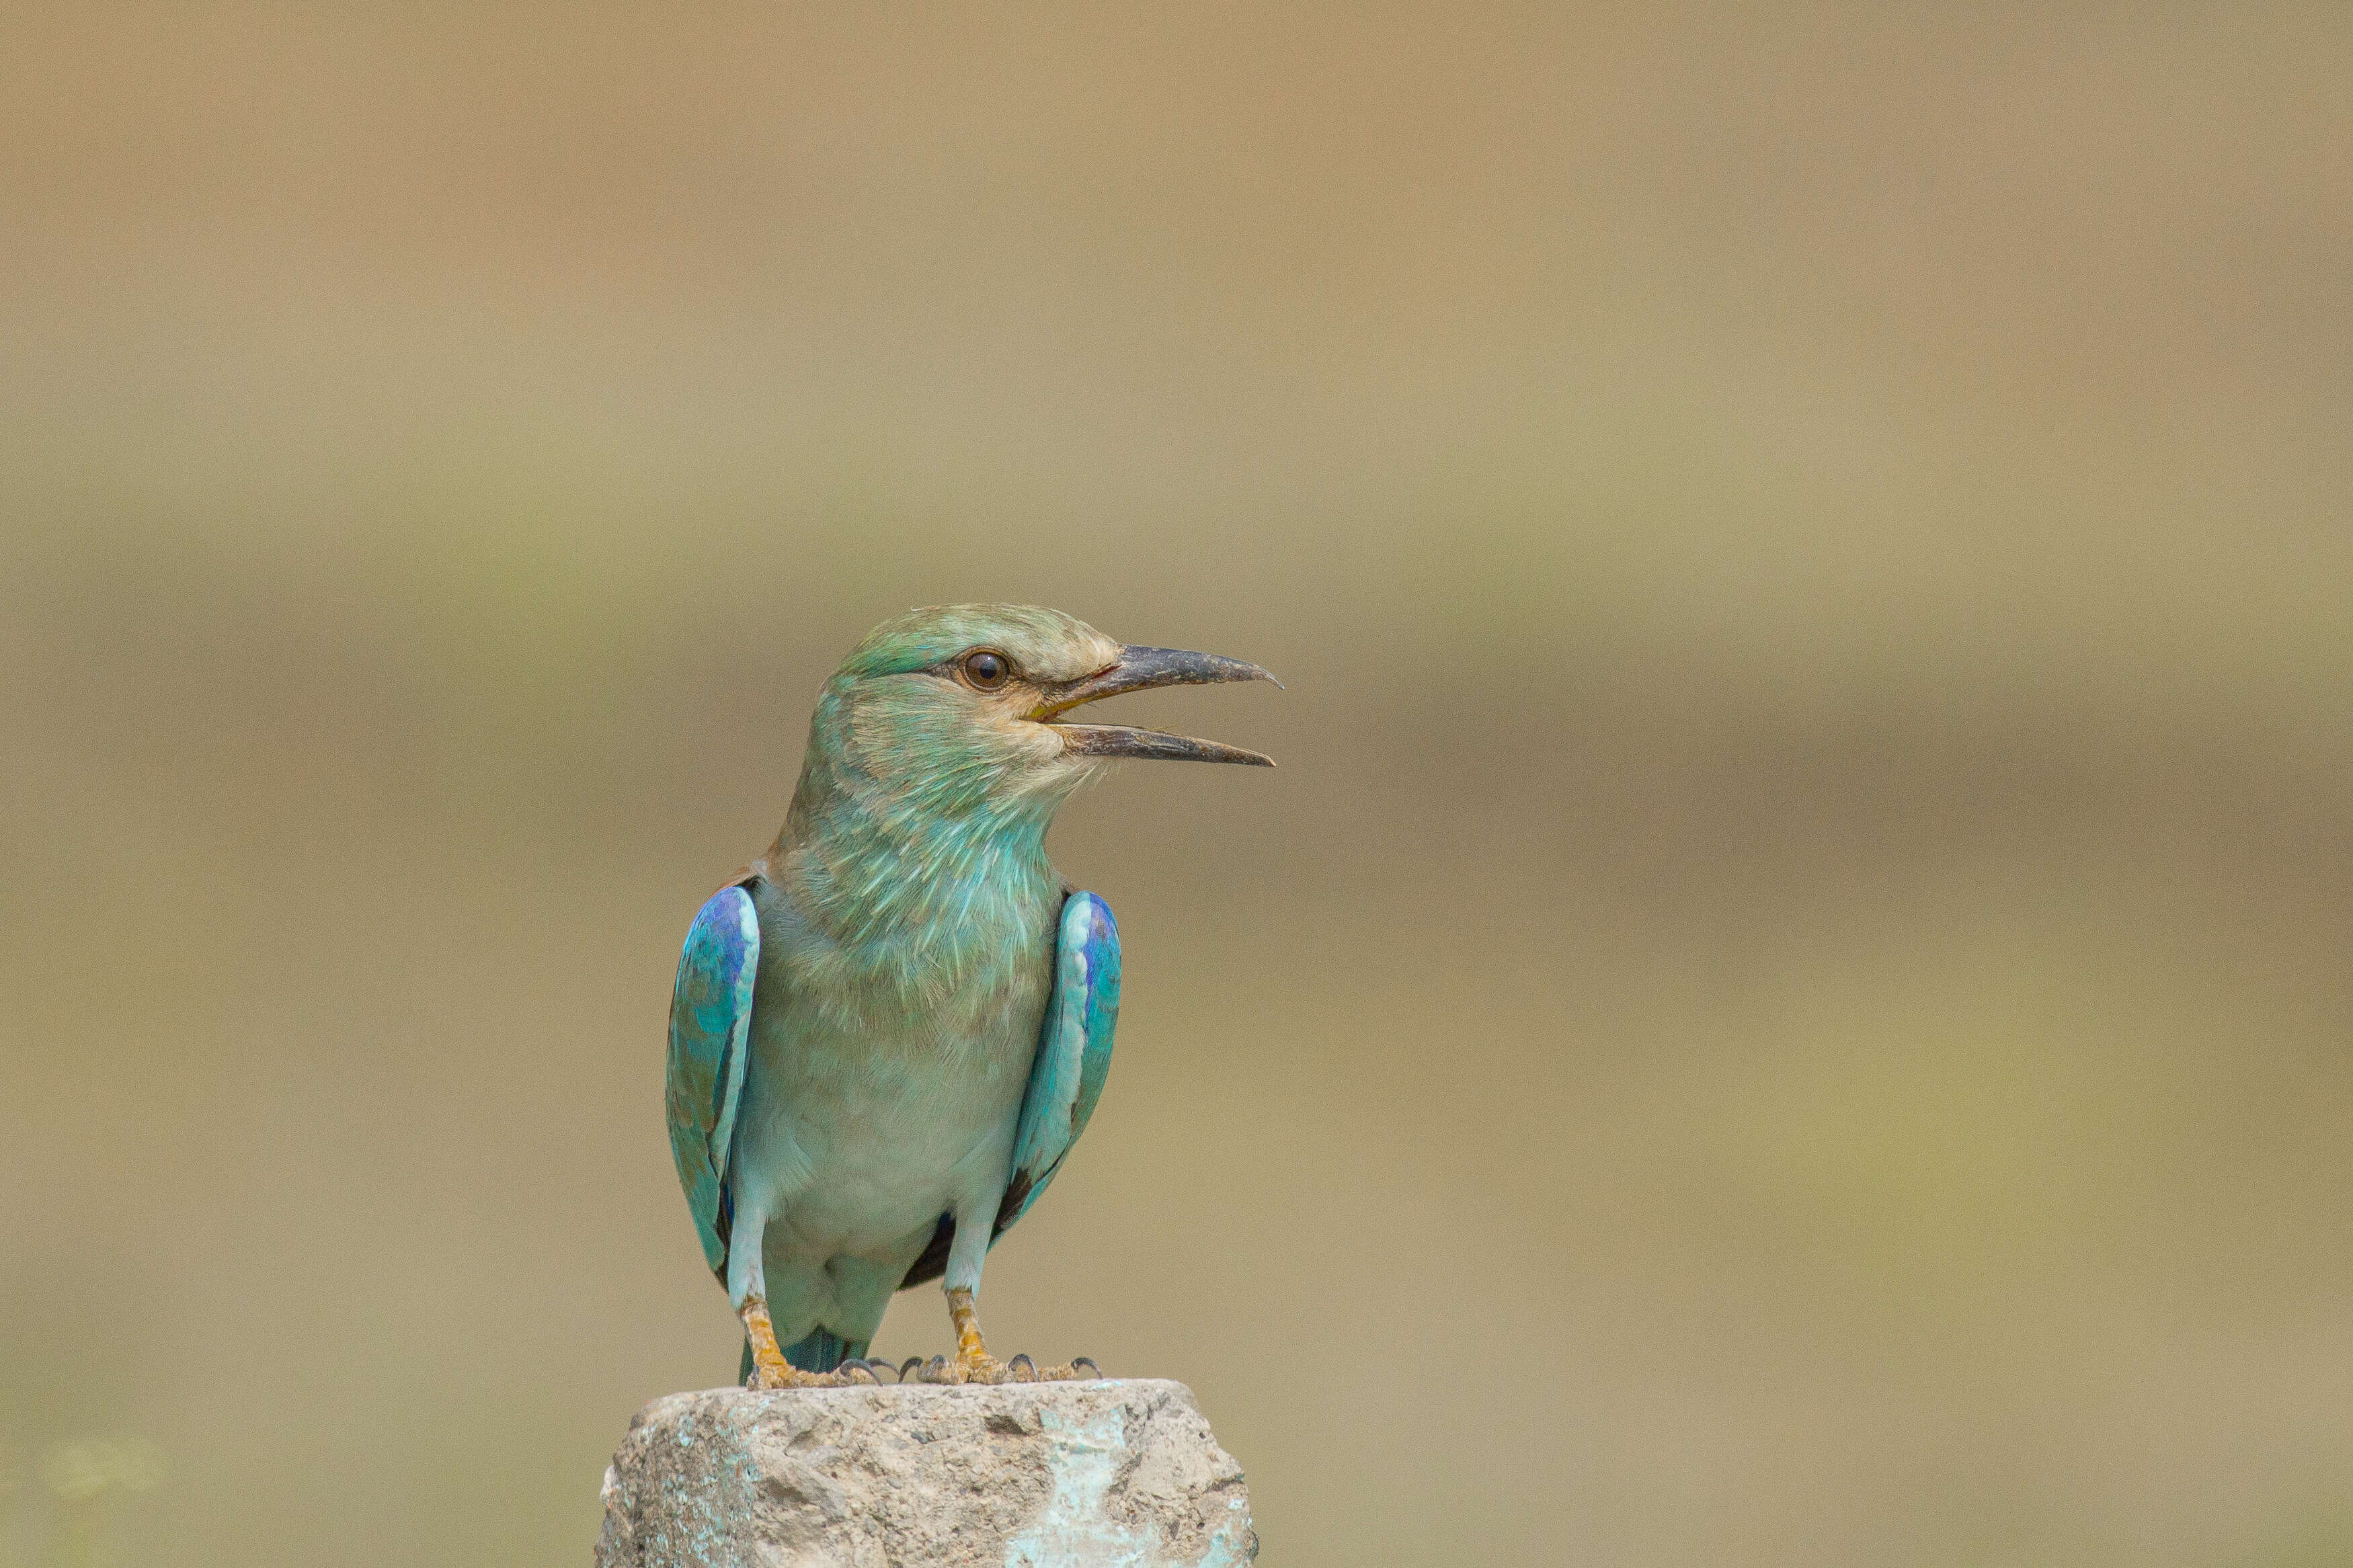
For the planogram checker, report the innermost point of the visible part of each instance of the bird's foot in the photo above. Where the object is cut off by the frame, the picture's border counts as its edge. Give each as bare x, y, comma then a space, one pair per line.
771, 1370
985, 1368
961, 1368
973, 1363
791, 1376
1077, 1369
855, 1373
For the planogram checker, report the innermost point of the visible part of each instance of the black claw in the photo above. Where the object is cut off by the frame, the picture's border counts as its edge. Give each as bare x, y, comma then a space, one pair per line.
1021, 1369
853, 1365
1085, 1361
913, 1364
935, 1370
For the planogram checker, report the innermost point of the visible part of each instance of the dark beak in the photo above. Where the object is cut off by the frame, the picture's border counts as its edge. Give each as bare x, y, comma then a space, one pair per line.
1138, 668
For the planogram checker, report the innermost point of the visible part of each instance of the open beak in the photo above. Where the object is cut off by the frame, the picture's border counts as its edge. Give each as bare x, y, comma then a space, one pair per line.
1137, 669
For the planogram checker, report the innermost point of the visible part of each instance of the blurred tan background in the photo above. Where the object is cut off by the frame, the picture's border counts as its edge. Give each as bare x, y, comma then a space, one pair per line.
1787, 1004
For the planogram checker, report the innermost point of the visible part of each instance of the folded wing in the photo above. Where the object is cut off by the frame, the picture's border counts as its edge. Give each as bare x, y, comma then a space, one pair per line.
710, 1034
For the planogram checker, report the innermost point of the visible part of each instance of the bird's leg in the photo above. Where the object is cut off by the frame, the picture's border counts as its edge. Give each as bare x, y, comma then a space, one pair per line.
769, 1367
747, 1287
973, 1362
967, 1255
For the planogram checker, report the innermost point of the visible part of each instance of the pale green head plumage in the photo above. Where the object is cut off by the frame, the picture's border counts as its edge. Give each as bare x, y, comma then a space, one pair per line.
906, 713
1047, 644
957, 709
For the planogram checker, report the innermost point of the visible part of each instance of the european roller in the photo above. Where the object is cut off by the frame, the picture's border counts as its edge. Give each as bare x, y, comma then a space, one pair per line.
889, 1029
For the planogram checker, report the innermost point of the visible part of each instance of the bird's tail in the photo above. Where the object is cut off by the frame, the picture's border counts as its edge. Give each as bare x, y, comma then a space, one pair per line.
822, 1350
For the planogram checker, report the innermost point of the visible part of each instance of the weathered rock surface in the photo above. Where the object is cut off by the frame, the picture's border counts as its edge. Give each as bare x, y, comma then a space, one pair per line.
1122, 1471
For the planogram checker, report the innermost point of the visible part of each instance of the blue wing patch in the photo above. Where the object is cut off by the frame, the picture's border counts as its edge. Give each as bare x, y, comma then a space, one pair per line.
1073, 1051
710, 1034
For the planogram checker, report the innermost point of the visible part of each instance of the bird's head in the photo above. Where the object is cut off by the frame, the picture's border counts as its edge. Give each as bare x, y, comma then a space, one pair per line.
962, 707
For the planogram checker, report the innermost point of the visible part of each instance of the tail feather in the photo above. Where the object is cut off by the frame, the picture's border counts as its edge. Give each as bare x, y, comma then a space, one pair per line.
822, 1351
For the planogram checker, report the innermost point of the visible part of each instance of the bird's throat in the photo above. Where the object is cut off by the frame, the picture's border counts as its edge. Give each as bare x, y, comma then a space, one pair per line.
917, 888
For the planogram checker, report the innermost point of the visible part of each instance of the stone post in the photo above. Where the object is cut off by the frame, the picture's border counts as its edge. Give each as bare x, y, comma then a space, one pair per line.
1114, 1473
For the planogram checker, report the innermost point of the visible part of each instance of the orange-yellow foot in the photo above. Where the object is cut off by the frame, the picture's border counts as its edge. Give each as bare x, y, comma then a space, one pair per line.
769, 1367
973, 1363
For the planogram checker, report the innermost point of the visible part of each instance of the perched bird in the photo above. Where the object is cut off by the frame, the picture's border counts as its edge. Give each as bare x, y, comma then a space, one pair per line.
889, 1030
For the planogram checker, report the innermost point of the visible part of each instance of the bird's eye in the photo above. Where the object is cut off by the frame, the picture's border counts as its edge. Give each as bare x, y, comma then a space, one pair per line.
986, 669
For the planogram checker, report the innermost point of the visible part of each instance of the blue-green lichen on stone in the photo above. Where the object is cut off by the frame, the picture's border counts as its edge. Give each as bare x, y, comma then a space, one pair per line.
1074, 1526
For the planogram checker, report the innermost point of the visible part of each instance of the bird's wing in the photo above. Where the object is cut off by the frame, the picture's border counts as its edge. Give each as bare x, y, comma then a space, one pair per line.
710, 1035
1073, 1051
